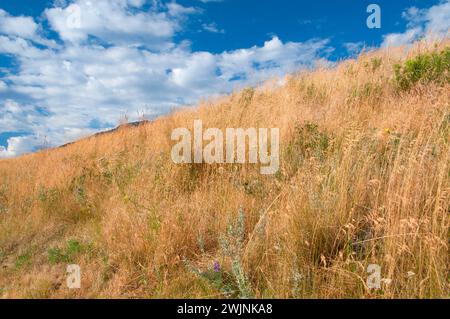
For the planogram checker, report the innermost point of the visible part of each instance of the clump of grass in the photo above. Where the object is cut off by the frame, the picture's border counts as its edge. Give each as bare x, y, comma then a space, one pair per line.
247, 97
376, 63
3, 199
49, 199
308, 141
65, 255
366, 92
313, 93
23, 260
424, 68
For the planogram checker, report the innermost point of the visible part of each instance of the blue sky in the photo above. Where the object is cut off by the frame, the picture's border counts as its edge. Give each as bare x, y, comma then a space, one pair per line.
71, 68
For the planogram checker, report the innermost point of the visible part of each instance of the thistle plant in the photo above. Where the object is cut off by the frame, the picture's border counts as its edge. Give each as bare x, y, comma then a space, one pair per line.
232, 244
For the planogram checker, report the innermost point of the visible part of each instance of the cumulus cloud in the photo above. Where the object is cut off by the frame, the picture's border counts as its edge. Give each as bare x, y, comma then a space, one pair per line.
117, 22
438, 19
18, 145
23, 144
434, 21
20, 117
24, 27
18, 47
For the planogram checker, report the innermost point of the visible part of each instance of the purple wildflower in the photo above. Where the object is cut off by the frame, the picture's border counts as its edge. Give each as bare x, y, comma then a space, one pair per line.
216, 266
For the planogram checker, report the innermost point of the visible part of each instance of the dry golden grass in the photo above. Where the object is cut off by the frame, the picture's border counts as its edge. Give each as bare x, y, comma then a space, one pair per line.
364, 180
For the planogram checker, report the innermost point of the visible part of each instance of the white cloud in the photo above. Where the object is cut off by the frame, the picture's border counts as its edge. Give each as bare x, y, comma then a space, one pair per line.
21, 144
275, 58
354, 48
438, 19
3, 86
176, 10
115, 22
19, 47
408, 37
434, 21
197, 71
19, 117
212, 27
24, 27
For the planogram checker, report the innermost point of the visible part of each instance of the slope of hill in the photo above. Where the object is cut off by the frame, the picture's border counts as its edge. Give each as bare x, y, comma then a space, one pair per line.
364, 180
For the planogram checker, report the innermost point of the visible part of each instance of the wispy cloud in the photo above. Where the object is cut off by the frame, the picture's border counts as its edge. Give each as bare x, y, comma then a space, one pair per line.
212, 27
209, 1
354, 48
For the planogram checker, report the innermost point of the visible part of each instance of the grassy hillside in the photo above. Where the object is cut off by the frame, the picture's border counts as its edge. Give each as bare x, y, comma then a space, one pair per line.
364, 179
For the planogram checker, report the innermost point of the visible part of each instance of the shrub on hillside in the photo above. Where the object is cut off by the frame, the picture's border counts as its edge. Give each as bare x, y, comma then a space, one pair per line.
424, 68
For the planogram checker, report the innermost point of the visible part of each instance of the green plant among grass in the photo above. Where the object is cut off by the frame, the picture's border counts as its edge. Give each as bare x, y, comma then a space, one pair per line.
232, 244
77, 187
65, 255
376, 63
366, 91
217, 277
3, 200
23, 260
49, 199
424, 69
230, 282
314, 93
